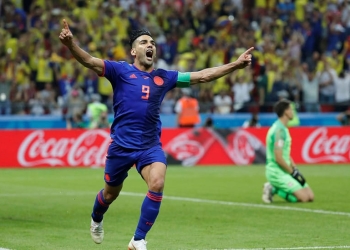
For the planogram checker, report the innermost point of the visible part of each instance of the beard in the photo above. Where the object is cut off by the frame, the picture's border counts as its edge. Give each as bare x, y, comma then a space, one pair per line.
146, 63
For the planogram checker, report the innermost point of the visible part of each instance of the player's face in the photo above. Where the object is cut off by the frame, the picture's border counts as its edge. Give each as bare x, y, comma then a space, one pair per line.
144, 50
289, 113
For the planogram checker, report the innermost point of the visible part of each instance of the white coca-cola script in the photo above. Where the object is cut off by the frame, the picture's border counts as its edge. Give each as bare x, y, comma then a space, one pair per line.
320, 147
88, 149
242, 147
187, 148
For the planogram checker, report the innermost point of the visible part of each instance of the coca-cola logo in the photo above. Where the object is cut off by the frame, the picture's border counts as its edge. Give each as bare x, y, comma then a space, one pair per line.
190, 146
88, 149
320, 147
242, 146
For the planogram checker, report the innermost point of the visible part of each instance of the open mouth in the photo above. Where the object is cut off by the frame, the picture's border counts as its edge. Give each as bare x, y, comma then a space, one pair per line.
149, 54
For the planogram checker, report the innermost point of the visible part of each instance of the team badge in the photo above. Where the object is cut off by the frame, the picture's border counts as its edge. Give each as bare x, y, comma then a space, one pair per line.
158, 80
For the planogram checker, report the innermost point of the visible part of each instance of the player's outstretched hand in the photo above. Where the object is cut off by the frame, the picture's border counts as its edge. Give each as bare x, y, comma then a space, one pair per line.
66, 35
298, 176
245, 59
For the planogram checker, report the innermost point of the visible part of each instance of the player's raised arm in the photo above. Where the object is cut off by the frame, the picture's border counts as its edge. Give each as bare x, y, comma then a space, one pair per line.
210, 74
79, 54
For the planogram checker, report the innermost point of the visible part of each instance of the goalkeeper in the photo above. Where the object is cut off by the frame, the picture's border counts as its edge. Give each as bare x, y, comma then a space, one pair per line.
284, 178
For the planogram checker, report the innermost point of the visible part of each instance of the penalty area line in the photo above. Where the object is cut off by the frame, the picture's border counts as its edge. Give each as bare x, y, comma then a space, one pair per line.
242, 204
291, 248
187, 199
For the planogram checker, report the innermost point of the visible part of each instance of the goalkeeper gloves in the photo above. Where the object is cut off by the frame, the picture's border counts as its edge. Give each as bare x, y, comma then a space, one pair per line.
298, 176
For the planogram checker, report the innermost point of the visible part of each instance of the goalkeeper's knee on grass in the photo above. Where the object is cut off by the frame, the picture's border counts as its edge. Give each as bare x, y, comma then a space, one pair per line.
284, 195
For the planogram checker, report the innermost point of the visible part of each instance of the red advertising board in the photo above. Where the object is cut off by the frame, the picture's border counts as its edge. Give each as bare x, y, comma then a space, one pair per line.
188, 147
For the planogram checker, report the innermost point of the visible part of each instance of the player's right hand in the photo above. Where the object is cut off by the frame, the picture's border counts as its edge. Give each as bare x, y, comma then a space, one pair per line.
66, 35
298, 176
245, 59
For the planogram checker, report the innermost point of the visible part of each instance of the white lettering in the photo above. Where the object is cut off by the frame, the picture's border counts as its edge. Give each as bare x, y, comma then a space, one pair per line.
89, 148
318, 147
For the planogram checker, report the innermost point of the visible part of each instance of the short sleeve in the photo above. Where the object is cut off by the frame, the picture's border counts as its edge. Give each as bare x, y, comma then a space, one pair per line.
172, 75
111, 69
280, 137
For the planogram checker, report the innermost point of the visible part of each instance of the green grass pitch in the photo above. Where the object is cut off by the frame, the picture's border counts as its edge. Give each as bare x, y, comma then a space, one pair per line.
203, 208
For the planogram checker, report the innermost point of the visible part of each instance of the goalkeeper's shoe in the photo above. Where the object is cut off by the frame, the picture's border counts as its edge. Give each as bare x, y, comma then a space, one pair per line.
96, 230
267, 193
137, 244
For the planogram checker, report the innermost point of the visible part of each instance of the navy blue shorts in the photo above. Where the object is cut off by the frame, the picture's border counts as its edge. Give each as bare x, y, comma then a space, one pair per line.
120, 160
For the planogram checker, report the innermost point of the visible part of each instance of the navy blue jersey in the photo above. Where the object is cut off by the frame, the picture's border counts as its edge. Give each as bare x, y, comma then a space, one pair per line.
136, 103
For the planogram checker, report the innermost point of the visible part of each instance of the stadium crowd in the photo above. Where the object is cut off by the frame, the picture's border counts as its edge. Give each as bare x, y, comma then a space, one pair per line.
302, 52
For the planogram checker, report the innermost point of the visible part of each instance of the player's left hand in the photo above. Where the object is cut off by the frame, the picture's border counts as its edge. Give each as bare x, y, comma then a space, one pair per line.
298, 176
245, 59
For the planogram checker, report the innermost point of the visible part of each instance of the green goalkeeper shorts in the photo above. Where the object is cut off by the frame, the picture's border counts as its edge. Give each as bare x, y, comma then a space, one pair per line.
284, 182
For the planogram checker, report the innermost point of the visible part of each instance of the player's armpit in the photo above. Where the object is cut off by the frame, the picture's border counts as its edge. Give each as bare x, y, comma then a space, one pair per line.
98, 66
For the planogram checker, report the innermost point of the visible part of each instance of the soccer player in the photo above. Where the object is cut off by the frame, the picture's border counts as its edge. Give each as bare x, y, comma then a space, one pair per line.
284, 178
138, 92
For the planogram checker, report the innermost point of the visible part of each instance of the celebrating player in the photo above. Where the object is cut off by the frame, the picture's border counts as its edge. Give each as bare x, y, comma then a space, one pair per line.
284, 178
138, 92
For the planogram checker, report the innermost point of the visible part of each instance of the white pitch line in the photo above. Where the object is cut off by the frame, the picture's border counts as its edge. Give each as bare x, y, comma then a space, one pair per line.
242, 204
291, 248
4, 248
196, 200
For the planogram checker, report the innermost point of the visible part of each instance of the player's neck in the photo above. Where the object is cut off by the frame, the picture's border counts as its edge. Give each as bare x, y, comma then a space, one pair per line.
284, 120
142, 67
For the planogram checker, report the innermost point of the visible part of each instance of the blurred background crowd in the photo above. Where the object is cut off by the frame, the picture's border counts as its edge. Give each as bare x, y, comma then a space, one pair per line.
302, 53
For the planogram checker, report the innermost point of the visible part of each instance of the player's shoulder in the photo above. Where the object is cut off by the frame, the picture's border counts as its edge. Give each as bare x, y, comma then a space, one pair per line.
276, 127
115, 62
164, 72
166, 75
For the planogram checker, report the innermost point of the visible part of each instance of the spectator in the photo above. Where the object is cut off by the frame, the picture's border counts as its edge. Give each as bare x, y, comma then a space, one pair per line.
342, 91
279, 85
29, 94
76, 122
310, 90
75, 103
285, 33
187, 109
90, 85
241, 91
48, 98
16, 97
5, 87
262, 82
36, 105
326, 84
253, 122
97, 113
168, 103
344, 118
222, 103
205, 98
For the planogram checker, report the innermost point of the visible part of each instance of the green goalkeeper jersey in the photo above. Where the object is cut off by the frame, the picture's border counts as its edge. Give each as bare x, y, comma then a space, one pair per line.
277, 137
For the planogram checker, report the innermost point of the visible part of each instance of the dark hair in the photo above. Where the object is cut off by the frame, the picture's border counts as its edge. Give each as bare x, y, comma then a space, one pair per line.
281, 106
137, 33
